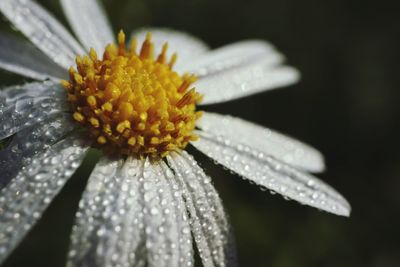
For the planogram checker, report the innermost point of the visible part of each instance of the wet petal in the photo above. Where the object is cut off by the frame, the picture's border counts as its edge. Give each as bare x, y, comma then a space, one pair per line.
22, 58
18, 111
198, 188
273, 174
245, 80
265, 140
43, 30
26, 197
208, 222
13, 93
238, 70
89, 22
166, 227
185, 45
31, 141
233, 56
128, 217
106, 230
178, 211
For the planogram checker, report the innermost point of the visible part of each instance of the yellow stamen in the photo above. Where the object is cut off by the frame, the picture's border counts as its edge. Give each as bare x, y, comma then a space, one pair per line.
163, 55
91, 100
147, 48
78, 117
132, 103
101, 140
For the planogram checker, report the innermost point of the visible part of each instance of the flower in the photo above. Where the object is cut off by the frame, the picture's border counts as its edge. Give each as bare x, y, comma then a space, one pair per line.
146, 197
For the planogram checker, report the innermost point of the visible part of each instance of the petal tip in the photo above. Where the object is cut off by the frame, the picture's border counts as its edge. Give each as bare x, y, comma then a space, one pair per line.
293, 74
341, 208
319, 163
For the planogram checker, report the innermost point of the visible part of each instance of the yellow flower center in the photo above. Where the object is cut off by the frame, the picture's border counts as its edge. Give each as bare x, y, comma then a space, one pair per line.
132, 103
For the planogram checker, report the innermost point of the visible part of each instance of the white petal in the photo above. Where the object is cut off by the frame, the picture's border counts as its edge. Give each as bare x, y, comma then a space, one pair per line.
106, 230
22, 58
129, 217
233, 56
273, 174
269, 142
43, 30
27, 112
11, 94
186, 46
167, 230
22, 111
244, 81
31, 141
89, 22
25, 198
209, 205
178, 211
209, 225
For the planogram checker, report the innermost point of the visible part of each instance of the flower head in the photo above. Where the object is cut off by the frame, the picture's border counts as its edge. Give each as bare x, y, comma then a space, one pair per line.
133, 103
147, 198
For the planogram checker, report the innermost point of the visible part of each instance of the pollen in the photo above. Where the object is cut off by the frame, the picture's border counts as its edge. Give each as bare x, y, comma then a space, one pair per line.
132, 102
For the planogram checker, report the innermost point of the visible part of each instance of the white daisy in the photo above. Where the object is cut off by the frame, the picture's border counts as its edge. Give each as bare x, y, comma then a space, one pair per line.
146, 198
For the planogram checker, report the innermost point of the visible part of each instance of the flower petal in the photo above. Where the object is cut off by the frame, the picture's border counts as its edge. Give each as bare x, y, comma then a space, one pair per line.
185, 45
167, 231
18, 110
244, 81
89, 22
239, 70
210, 227
11, 94
25, 198
43, 30
106, 230
128, 217
233, 56
22, 58
271, 173
178, 211
263, 139
31, 141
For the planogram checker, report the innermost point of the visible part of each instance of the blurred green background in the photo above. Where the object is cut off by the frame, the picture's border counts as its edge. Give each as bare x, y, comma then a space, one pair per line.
346, 105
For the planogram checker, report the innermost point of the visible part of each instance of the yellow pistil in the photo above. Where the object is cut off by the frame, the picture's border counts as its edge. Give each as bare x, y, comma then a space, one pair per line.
133, 103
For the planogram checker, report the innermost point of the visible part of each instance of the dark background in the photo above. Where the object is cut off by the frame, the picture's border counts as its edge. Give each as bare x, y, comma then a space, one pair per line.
346, 106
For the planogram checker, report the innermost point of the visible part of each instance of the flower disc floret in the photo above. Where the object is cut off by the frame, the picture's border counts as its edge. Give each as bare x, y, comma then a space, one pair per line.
131, 102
